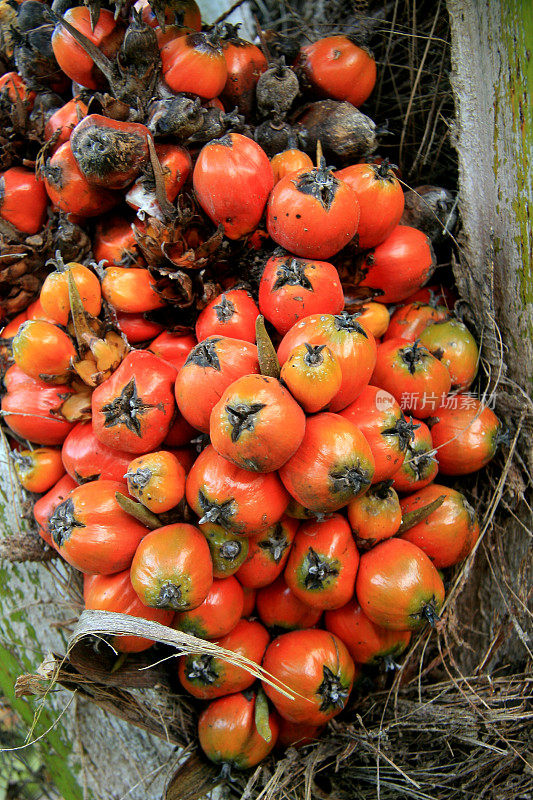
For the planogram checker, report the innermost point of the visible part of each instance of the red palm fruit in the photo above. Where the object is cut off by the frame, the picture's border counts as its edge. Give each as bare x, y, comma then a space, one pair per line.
465, 434
65, 120
245, 63
87, 459
172, 568
115, 593
207, 676
320, 670
130, 290
312, 214
186, 10
107, 35
228, 550
249, 601
293, 288
416, 379
173, 347
232, 180
209, 369
374, 317
280, 609
46, 505
176, 164
267, 554
157, 480
400, 265
232, 313
380, 197
420, 465
256, 424
228, 733
114, 241
380, 419
133, 409
54, 295
294, 734
194, 63
450, 532
69, 190
42, 350
217, 615
333, 464
337, 68
38, 470
32, 408
16, 90
323, 563
375, 516
238, 500
398, 587
23, 200
180, 432
92, 532
313, 376
289, 161
352, 345
408, 321
453, 344
367, 642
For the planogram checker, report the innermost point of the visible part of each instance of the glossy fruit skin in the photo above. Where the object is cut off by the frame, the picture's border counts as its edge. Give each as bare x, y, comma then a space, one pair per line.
194, 64
399, 265
228, 550
23, 200
40, 422
130, 290
71, 56
289, 161
133, 409
317, 665
115, 593
352, 345
244, 63
280, 610
408, 321
323, 563
232, 180
177, 166
375, 318
257, 424
300, 220
232, 314
447, 535
416, 379
209, 369
46, 505
228, 733
157, 480
69, 190
87, 459
267, 555
92, 532
380, 419
217, 615
54, 293
453, 344
114, 241
180, 433
293, 288
43, 351
137, 329
465, 435
292, 734
173, 347
313, 376
38, 470
65, 118
381, 201
398, 587
367, 643
172, 568
207, 677
420, 465
338, 68
332, 465
240, 501
14, 87
375, 516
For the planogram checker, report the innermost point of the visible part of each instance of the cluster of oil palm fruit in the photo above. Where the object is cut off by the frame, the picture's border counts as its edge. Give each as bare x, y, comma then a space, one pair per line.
225, 373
